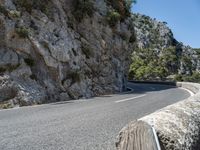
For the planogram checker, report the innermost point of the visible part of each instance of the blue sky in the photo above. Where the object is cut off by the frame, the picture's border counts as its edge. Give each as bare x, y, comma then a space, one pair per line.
182, 16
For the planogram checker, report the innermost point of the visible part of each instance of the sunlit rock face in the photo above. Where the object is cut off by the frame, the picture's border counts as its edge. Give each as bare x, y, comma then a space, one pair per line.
45, 47
157, 35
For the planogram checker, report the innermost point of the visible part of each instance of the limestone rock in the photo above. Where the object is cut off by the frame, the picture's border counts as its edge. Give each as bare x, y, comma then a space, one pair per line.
20, 92
49, 49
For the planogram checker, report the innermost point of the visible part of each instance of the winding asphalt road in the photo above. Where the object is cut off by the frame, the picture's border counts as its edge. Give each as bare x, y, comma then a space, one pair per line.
91, 124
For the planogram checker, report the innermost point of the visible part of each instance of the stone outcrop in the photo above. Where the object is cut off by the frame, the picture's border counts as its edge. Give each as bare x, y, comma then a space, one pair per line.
43, 45
20, 92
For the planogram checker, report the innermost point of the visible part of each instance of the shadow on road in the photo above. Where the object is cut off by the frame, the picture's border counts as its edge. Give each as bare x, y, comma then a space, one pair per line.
141, 88
137, 88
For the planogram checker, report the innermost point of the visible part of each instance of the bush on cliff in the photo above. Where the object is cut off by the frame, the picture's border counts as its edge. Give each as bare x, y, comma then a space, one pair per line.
82, 8
147, 64
123, 7
44, 6
113, 18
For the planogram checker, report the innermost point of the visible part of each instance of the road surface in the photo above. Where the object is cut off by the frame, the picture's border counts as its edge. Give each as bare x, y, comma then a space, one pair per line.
91, 124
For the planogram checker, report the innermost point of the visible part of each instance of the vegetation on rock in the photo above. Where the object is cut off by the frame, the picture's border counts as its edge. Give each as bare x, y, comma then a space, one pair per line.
44, 6
3, 10
82, 8
23, 32
194, 77
148, 65
113, 17
30, 62
123, 7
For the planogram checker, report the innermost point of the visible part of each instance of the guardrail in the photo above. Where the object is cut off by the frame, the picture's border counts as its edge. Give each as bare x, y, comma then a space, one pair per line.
177, 126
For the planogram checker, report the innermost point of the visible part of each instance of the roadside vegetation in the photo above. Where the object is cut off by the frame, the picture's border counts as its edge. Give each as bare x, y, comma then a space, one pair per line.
194, 77
148, 64
160, 56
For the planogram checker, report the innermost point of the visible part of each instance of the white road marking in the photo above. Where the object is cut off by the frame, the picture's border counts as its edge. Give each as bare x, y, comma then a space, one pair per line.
129, 99
191, 93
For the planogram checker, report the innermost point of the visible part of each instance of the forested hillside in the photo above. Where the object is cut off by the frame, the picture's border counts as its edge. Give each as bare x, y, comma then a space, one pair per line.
159, 56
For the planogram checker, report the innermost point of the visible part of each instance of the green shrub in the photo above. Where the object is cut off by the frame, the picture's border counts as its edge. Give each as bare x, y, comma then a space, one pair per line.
3, 10
124, 36
194, 77
14, 14
43, 5
23, 32
30, 62
26, 4
2, 70
33, 77
148, 65
178, 77
11, 68
113, 18
82, 8
128, 6
5, 105
75, 76
197, 50
132, 38
123, 7
87, 50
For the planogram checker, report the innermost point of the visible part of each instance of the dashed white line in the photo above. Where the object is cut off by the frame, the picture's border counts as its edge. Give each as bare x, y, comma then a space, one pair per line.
129, 99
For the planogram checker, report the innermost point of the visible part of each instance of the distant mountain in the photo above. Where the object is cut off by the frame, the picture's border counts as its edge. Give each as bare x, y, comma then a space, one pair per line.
159, 55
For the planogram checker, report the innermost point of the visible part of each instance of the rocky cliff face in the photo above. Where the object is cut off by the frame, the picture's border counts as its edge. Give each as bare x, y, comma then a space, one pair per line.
157, 37
50, 51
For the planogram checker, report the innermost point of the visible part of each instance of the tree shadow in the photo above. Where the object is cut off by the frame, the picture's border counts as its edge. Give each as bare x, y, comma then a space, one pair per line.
135, 87
141, 87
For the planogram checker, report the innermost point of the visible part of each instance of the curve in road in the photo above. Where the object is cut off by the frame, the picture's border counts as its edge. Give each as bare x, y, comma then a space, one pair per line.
91, 124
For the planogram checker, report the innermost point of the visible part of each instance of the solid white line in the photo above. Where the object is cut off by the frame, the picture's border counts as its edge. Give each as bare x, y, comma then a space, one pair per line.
191, 93
156, 138
129, 99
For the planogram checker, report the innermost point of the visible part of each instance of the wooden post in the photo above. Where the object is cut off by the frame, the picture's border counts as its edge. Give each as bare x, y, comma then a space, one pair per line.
137, 135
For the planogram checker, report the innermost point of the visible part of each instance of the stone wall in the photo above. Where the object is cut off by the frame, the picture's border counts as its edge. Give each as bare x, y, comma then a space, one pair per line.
177, 125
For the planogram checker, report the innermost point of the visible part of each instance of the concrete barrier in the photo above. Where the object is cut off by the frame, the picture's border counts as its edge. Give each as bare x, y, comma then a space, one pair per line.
177, 126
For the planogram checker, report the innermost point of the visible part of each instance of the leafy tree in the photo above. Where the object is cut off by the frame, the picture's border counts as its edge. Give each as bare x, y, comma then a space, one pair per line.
123, 7
113, 17
194, 77
148, 64
169, 59
129, 3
